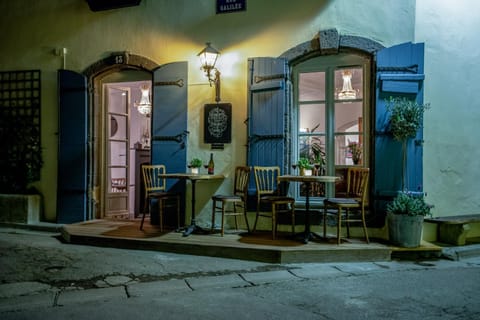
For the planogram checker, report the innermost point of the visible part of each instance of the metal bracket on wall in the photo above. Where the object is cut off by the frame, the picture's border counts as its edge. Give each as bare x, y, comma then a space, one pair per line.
257, 137
179, 138
258, 79
412, 69
179, 83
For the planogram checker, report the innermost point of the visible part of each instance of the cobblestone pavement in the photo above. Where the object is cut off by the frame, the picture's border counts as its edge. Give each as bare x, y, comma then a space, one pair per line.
43, 277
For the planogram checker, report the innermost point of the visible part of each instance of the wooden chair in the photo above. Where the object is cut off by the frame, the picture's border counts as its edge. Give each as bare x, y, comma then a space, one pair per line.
356, 198
237, 201
155, 188
267, 184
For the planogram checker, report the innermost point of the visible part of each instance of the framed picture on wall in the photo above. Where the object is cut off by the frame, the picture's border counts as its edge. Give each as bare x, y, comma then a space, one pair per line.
218, 123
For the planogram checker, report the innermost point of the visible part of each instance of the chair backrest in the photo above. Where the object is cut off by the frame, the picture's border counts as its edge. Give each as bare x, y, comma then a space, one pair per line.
266, 180
242, 175
357, 183
151, 180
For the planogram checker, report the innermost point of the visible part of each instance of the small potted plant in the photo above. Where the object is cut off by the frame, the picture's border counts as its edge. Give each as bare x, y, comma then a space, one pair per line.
304, 166
194, 165
405, 216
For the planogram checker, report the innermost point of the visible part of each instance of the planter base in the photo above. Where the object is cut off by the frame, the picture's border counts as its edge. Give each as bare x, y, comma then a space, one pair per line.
405, 231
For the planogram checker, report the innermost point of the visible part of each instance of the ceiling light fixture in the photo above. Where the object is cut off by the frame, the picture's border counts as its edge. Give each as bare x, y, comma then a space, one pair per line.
347, 92
144, 106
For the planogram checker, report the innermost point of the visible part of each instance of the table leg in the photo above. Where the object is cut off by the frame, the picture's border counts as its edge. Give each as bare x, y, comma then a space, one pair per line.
193, 226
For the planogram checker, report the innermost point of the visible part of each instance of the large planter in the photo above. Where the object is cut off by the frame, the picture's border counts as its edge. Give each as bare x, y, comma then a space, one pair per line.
404, 230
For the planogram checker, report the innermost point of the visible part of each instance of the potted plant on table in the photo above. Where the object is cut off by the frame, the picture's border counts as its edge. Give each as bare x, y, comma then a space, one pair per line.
406, 212
194, 165
304, 166
405, 216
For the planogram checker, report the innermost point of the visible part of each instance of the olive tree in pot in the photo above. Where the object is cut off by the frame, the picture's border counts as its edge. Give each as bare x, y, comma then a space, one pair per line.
406, 212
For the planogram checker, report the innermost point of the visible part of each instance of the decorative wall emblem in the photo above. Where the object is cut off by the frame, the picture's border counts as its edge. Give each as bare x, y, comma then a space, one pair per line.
218, 123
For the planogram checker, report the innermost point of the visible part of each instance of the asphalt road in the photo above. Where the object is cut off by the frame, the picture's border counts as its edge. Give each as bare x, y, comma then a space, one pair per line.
43, 278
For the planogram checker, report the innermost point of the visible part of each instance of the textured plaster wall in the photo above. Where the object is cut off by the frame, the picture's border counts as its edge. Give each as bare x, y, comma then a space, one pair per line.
452, 52
176, 30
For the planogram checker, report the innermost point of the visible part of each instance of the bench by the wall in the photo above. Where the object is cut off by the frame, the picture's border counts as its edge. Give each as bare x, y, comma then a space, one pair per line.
454, 229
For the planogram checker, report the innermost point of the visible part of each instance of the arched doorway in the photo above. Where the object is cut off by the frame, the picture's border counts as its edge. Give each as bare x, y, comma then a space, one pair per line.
118, 135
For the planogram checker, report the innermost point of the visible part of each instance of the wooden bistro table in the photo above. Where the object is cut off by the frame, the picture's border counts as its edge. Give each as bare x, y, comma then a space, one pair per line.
193, 178
308, 180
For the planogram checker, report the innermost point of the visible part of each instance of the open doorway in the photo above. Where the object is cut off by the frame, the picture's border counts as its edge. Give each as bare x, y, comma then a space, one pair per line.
122, 143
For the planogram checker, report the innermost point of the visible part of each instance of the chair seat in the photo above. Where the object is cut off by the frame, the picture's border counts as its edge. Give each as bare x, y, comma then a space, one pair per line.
162, 194
221, 197
341, 201
278, 199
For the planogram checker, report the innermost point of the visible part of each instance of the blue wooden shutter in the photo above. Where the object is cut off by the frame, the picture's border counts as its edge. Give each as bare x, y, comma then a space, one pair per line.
399, 74
169, 120
72, 147
267, 113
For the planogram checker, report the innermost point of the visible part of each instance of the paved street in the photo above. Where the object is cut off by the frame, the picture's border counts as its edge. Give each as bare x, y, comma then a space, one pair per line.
44, 278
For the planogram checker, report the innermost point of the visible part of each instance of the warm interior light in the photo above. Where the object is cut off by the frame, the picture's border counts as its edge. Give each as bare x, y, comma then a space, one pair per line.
347, 90
144, 106
208, 57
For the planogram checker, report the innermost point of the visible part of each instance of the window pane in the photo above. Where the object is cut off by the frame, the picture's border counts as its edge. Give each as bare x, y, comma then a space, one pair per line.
311, 86
348, 115
311, 118
348, 83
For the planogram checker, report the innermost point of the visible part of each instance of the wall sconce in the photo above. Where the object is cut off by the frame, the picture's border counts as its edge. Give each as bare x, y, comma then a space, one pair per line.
144, 106
208, 57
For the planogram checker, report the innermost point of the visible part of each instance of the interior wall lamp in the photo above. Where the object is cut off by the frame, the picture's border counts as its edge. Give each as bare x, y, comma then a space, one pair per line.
208, 57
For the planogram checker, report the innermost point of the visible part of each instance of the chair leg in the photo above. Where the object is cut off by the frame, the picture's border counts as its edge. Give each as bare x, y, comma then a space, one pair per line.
223, 218
177, 198
214, 207
365, 226
339, 225
235, 215
293, 221
324, 221
161, 208
255, 223
347, 222
246, 219
143, 218
274, 221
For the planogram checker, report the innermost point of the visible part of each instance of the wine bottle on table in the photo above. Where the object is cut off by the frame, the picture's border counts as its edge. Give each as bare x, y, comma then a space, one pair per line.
211, 165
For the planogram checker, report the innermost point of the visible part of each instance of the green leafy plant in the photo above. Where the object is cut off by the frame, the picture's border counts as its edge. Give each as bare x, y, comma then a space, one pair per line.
409, 204
313, 148
196, 163
304, 163
406, 117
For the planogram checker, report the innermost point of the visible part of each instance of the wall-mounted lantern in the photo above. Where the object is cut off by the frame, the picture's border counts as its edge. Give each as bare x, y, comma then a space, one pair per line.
208, 57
